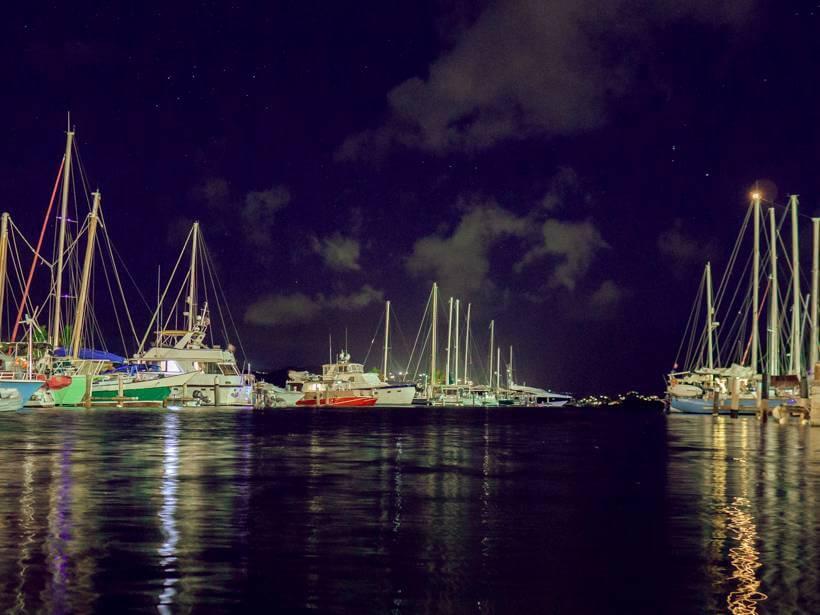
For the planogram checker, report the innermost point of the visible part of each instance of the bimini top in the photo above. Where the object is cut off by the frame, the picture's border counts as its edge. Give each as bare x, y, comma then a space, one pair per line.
90, 354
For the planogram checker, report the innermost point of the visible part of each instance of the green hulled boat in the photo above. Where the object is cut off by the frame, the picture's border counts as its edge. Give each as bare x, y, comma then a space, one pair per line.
102, 387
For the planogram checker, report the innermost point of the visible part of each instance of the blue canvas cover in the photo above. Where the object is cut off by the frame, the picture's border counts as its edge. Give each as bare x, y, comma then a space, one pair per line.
90, 354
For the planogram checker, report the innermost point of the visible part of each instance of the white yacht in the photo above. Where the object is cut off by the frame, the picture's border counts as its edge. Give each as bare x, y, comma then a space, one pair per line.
358, 382
533, 396
218, 381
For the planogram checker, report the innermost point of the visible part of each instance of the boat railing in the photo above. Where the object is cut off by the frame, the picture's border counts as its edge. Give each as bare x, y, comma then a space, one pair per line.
9, 375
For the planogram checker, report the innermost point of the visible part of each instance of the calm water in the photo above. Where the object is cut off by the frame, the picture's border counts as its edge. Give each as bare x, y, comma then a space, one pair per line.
412, 510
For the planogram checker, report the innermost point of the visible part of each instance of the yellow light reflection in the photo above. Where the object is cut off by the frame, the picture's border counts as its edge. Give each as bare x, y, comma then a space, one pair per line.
745, 559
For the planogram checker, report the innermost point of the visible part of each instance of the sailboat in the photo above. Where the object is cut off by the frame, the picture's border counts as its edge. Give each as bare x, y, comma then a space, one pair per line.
72, 373
17, 382
217, 379
731, 378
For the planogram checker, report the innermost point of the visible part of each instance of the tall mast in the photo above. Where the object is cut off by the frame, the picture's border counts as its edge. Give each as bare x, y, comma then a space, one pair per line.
467, 342
756, 282
492, 334
815, 279
4, 253
774, 317
710, 356
795, 345
433, 339
498, 368
79, 318
449, 341
455, 357
509, 371
192, 308
386, 338
58, 288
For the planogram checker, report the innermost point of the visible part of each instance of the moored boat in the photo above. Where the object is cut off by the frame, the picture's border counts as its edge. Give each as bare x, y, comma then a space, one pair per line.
335, 401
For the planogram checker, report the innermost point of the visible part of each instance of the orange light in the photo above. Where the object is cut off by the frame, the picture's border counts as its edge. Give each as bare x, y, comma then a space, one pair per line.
755, 196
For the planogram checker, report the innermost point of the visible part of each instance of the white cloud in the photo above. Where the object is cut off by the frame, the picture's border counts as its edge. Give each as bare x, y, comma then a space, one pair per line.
338, 252
573, 244
460, 261
299, 308
528, 67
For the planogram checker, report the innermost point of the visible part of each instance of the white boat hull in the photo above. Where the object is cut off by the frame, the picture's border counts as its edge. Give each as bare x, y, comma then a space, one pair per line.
394, 395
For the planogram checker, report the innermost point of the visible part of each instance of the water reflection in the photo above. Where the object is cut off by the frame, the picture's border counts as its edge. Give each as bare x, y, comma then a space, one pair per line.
745, 559
756, 510
167, 551
417, 510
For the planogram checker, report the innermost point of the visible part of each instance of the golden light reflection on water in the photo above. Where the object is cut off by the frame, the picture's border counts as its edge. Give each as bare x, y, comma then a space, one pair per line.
745, 559
755, 509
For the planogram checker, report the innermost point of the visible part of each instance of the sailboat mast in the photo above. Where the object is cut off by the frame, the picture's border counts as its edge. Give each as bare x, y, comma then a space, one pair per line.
498, 369
58, 288
433, 339
795, 345
192, 307
492, 341
756, 282
710, 356
449, 341
4, 253
455, 358
510, 371
774, 305
386, 338
815, 279
467, 342
79, 318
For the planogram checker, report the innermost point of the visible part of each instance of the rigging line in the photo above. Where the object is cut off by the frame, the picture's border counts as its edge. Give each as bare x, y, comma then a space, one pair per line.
173, 313
757, 318
84, 181
735, 250
692, 349
373, 339
116, 311
37, 250
31, 248
108, 244
397, 324
165, 291
204, 288
742, 282
217, 285
123, 264
418, 333
421, 353
692, 312
208, 267
208, 264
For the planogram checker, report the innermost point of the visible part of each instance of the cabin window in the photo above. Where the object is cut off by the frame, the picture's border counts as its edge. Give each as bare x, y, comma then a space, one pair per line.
228, 369
173, 368
212, 368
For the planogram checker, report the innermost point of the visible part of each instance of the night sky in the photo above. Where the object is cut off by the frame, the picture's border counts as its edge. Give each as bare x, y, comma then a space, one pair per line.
566, 166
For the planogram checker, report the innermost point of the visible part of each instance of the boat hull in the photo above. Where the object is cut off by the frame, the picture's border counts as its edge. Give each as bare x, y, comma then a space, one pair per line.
17, 392
338, 402
394, 395
156, 389
691, 405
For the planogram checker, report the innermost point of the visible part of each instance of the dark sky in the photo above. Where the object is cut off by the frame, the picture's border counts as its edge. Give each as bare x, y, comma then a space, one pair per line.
566, 166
